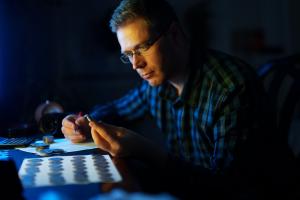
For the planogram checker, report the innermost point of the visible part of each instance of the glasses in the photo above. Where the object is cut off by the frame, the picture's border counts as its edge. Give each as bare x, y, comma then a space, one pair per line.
141, 49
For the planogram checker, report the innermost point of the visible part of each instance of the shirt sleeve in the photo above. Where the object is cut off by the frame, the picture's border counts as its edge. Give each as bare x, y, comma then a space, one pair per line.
233, 123
130, 107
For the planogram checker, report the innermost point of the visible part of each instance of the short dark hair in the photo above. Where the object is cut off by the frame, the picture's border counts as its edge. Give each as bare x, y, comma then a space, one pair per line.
158, 14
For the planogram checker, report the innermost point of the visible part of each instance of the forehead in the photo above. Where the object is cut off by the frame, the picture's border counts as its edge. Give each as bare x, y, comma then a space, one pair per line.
132, 34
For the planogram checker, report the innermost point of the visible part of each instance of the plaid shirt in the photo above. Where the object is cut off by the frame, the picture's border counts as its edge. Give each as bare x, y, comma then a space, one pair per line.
210, 120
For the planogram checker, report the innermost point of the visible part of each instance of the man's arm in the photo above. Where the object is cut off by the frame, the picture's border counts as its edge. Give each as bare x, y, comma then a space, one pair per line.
130, 107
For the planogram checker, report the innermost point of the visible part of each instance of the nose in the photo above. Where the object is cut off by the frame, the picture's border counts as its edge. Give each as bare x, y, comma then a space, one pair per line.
137, 62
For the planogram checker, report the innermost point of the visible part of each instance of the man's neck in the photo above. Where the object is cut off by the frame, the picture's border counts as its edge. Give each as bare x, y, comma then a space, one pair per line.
182, 72
179, 82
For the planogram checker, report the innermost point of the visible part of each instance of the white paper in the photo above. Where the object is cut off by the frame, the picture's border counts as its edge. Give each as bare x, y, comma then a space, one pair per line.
65, 145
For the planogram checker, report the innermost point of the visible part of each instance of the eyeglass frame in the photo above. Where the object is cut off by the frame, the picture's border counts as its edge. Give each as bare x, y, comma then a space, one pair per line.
127, 57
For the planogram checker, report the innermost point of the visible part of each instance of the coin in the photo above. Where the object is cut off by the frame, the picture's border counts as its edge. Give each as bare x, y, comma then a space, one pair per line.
48, 139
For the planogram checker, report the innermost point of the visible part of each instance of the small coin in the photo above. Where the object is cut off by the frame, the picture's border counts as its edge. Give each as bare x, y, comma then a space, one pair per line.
28, 180
80, 168
35, 160
55, 163
102, 170
55, 159
78, 162
32, 170
98, 156
55, 173
77, 159
80, 172
31, 164
58, 151
40, 146
107, 174
48, 139
45, 152
57, 180
56, 168
80, 178
101, 162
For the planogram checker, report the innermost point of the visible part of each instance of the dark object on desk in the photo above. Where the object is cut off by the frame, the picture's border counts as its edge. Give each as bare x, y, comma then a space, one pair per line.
51, 123
10, 181
47, 107
19, 136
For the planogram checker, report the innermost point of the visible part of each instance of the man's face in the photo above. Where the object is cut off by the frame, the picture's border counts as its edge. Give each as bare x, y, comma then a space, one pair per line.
150, 61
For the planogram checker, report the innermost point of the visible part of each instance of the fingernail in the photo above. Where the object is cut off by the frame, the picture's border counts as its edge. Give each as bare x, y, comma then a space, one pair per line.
76, 128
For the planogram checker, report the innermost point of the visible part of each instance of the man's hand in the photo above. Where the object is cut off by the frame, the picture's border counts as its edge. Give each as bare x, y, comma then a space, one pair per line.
117, 141
75, 128
121, 142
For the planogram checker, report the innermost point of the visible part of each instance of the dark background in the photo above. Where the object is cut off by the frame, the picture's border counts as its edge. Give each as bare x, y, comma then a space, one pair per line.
63, 50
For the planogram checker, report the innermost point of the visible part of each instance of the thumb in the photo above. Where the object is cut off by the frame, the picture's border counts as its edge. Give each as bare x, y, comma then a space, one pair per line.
80, 121
103, 129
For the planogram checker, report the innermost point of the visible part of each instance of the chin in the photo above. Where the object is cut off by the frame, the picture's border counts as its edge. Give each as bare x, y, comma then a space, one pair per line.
154, 83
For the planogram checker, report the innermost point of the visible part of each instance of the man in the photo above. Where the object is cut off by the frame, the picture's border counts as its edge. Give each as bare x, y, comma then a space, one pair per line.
207, 104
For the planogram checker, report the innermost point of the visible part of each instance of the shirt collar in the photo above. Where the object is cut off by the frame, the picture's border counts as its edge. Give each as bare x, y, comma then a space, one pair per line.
168, 92
191, 88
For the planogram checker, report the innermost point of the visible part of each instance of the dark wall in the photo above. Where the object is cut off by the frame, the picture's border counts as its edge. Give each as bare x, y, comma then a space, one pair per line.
59, 51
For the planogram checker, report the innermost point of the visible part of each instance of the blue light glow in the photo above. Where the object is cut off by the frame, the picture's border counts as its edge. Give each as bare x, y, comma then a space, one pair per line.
1, 51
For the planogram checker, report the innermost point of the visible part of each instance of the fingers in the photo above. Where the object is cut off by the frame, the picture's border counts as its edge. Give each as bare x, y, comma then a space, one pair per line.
100, 141
69, 121
76, 138
110, 138
72, 135
80, 121
71, 128
102, 129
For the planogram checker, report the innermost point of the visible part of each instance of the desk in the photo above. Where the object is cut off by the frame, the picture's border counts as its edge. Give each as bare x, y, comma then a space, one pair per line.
74, 192
136, 177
